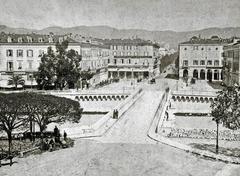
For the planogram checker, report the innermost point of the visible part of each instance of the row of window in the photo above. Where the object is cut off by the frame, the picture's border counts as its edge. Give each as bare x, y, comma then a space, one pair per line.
200, 48
126, 47
129, 53
202, 62
89, 53
124, 61
30, 39
10, 65
29, 53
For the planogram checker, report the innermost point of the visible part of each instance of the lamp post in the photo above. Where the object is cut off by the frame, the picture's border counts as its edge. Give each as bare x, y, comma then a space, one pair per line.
31, 79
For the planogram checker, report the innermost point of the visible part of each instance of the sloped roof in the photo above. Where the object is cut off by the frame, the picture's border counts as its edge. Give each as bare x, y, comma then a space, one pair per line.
35, 38
90, 45
212, 40
137, 42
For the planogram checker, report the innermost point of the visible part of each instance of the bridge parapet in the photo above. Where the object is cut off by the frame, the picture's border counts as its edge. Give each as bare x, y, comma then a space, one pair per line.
92, 96
194, 96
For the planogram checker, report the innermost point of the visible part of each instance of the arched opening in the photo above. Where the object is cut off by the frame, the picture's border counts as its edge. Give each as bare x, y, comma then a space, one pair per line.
121, 74
206, 100
195, 74
182, 99
202, 74
216, 75
209, 75
197, 99
185, 73
105, 98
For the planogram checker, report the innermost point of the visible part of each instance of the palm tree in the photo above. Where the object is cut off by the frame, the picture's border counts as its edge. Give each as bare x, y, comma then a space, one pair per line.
16, 80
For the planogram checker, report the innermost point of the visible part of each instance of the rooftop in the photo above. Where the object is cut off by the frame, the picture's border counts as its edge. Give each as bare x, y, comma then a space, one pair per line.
91, 45
33, 38
137, 42
212, 40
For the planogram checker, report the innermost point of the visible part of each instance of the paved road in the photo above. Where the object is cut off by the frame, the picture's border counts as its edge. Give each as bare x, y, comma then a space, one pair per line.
134, 124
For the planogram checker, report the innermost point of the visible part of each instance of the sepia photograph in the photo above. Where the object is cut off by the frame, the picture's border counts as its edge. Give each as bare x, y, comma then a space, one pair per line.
120, 88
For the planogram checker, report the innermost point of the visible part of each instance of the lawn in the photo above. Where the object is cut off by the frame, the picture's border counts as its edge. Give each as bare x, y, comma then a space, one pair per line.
196, 122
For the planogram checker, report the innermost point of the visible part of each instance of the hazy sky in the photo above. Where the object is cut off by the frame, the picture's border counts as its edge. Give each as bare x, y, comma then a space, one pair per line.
178, 15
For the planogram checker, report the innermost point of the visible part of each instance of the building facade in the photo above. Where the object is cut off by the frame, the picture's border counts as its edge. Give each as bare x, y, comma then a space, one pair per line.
202, 58
133, 58
231, 56
95, 57
21, 53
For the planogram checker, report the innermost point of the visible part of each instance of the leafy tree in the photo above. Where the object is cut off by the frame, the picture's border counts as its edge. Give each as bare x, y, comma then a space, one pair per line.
16, 80
226, 109
60, 68
45, 109
46, 70
11, 115
168, 59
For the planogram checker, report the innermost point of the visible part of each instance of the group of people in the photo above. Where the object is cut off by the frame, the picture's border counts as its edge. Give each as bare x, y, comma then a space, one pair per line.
115, 114
204, 134
55, 141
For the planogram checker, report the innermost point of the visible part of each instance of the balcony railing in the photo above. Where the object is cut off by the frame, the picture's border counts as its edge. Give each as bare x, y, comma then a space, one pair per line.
127, 66
133, 57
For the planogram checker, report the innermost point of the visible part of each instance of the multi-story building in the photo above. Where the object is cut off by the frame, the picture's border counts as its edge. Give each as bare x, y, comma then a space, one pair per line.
133, 58
231, 56
95, 57
202, 58
21, 53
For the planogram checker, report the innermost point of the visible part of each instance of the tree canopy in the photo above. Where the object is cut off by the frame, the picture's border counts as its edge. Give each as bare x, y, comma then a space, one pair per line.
226, 107
18, 109
169, 59
59, 68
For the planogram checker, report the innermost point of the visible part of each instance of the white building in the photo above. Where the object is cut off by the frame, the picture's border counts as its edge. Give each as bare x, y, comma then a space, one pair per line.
202, 58
95, 57
21, 53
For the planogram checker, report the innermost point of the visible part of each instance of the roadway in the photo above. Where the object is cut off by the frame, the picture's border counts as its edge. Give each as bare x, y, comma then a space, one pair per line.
134, 124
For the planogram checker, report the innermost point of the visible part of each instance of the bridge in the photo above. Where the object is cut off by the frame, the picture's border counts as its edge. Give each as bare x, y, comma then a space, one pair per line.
194, 96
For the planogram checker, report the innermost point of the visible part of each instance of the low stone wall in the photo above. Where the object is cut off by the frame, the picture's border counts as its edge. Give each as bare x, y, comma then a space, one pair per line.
202, 134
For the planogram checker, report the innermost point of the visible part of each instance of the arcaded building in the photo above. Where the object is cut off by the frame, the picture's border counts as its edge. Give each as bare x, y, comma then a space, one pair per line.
201, 58
133, 58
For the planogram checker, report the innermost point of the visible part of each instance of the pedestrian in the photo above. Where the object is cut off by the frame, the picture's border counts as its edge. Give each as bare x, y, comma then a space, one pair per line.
65, 135
116, 114
56, 134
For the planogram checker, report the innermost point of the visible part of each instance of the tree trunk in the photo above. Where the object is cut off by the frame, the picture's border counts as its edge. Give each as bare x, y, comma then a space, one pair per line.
31, 135
217, 137
41, 135
9, 142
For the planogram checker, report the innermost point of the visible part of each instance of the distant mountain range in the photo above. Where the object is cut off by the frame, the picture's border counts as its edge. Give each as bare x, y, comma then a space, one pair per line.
164, 37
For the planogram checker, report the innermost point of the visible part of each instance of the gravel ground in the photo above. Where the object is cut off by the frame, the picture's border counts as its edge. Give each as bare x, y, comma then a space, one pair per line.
124, 151
91, 158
